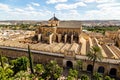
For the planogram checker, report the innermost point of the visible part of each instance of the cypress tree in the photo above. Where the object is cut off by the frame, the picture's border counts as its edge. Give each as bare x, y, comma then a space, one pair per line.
30, 60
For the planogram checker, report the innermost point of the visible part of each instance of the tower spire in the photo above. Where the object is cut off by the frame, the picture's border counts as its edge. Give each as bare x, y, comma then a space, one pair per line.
54, 15
54, 18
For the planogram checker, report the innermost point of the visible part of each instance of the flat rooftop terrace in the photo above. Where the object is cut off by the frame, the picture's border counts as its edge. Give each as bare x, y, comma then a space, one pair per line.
54, 47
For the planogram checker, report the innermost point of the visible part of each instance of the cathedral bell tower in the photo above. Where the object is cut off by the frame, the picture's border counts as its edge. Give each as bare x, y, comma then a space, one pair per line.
53, 21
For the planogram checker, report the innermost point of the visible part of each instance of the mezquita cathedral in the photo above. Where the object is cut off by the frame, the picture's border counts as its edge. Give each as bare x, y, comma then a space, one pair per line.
56, 31
65, 42
75, 44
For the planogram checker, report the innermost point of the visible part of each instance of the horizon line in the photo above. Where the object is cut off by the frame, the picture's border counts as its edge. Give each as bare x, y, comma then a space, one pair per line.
68, 20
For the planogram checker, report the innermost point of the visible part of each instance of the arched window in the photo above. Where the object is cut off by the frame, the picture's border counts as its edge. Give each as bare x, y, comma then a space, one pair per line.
101, 69
89, 68
69, 64
113, 72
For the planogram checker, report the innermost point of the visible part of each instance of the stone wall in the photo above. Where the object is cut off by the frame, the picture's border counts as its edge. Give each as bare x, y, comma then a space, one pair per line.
61, 60
37, 57
68, 30
107, 67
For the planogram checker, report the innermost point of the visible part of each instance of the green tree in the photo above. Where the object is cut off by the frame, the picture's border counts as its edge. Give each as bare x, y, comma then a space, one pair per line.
30, 60
19, 64
94, 54
70, 78
6, 74
40, 78
107, 78
73, 73
3, 61
2, 74
9, 72
39, 68
84, 77
53, 70
22, 75
79, 65
97, 76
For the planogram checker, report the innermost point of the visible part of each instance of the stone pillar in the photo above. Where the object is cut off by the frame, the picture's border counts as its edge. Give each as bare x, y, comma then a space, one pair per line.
96, 67
79, 37
59, 38
50, 38
64, 63
84, 65
65, 38
108, 67
39, 37
71, 38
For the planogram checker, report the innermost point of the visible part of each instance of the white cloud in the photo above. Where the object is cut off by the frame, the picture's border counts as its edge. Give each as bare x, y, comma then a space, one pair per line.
98, 1
74, 12
35, 4
29, 12
18, 10
29, 7
69, 6
19, 14
70, 11
104, 1
106, 5
55, 1
25, 13
4, 7
69, 15
105, 11
88, 1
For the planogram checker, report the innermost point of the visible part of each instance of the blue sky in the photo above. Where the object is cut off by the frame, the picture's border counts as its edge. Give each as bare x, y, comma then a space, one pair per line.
64, 9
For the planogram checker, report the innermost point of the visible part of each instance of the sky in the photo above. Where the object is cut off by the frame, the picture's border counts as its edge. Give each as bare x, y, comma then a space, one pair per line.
63, 9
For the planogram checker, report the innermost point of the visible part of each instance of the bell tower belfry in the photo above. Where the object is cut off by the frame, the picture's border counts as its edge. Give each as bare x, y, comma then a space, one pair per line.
53, 21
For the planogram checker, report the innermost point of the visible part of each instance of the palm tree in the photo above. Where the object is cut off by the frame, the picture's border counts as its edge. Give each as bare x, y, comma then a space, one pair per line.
94, 54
